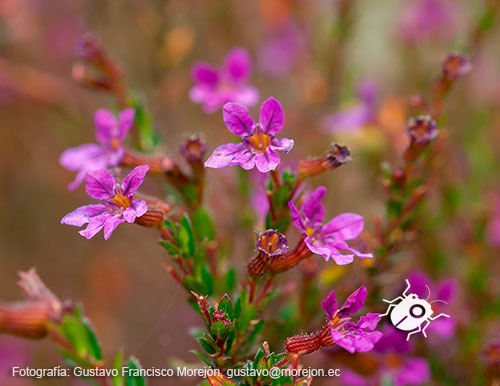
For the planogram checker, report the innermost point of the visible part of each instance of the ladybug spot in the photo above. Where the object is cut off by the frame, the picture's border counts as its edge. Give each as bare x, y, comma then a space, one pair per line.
417, 311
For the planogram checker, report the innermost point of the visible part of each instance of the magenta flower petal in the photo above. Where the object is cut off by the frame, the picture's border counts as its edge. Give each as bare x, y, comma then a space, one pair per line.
205, 74
94, 226
79, 178
126, 120
341, 259
100, 184
238, 119
296, 217
267, 161
237, 66
224, 155
82, 215
134, 179
246, 95
346, 226
105, 124
110, 225
330, 305
245, 158
354, 302
283, 144
140, 207
369, 321
76, 158
313, 209
447, 289
344, 247
272, 116
327, 251
415, 371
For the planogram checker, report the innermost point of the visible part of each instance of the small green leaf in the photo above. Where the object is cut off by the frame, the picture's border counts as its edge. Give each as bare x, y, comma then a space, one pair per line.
171, 248
130, 379
94, 346
248, 314
188, 242
202, 357
226, 306
203, 225
192, 284
230, 280
207, 344
117, 364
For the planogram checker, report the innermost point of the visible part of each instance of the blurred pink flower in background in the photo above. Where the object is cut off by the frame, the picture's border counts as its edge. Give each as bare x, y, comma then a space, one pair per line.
444, 290
355, 117
395, 365
215, 87
424, 19
281, 51
493, 226
13, 352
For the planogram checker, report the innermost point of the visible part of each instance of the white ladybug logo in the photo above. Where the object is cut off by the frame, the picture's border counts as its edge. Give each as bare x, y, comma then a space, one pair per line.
411, 313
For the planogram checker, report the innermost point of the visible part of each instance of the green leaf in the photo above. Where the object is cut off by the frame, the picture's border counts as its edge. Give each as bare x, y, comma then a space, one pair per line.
248, 314
117, 364
171, 248
144, 123
226, 306
188, 241
202, 357
74, 360
206, 278
130, 379
192, 284
230, 279
94, 346
207, 344
203, 225
76, 334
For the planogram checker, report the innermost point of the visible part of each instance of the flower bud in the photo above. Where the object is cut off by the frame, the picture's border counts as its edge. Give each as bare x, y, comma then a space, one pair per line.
271, 245
27, 320
157, 164
456, 66
307, 344
156, 213
422, 130
193, 149
336, 156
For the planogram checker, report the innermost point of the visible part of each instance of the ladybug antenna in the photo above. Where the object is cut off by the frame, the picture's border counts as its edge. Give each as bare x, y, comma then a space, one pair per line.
429, 292
438, 300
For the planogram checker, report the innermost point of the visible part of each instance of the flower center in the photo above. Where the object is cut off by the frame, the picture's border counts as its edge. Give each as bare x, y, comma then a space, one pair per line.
260, 141
393, 361
121, 200
115, 143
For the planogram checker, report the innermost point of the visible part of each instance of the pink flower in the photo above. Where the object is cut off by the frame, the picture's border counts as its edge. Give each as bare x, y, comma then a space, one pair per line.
351, 336
393, 363
117, 204
259, 145
109, 151
327, 239
357, 116
444, 291
423, 19
213, 87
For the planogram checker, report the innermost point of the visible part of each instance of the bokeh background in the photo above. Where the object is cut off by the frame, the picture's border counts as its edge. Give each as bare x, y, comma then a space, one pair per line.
303, 55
